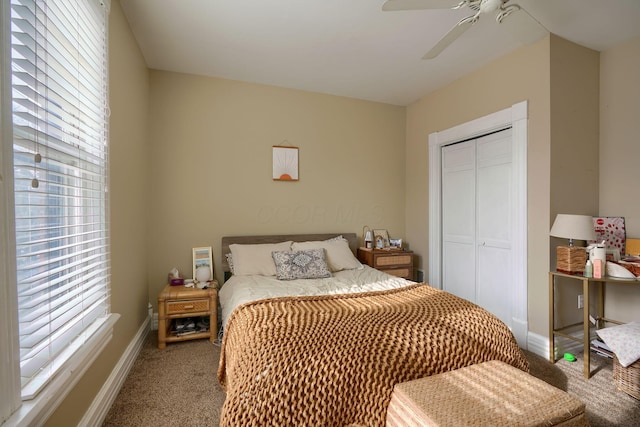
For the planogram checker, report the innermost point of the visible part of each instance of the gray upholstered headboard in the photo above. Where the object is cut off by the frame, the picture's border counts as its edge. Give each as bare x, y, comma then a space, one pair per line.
352, 238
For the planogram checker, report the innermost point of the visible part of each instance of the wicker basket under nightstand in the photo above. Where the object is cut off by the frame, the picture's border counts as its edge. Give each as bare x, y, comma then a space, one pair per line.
627, 379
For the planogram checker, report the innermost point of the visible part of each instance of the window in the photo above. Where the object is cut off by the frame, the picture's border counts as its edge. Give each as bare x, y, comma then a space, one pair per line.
56, 56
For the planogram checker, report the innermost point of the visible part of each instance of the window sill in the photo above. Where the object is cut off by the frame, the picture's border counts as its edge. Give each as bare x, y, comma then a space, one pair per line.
37, 410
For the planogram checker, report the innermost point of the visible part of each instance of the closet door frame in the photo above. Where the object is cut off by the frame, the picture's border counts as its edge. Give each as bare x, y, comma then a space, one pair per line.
515, 117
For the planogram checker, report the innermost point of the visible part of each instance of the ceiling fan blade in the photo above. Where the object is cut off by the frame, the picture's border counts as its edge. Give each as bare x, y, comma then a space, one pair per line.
450, 37
524, 27
391, 5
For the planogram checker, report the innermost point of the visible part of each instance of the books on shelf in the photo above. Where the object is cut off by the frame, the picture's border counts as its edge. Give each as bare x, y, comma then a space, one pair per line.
600, 348
188, 325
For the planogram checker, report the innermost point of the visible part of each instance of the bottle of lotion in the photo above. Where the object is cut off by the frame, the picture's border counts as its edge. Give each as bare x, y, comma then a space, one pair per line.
588, 269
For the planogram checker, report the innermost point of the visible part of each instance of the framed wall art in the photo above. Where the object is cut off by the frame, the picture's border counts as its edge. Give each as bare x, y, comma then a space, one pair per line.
285, 163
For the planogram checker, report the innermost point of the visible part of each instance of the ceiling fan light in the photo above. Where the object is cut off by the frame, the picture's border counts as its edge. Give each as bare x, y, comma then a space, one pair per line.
489, 6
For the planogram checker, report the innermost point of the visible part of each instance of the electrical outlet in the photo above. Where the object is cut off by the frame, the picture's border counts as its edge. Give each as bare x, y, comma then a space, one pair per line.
580, 301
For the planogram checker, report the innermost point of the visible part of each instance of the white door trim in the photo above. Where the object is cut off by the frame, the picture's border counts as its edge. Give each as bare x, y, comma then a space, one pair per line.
515, 117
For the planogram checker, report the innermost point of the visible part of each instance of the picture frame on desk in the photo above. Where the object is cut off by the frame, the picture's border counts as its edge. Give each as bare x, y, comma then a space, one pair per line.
380, 239
395, 243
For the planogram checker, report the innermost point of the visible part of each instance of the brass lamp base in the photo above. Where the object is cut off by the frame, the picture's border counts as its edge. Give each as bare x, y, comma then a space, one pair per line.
571, 259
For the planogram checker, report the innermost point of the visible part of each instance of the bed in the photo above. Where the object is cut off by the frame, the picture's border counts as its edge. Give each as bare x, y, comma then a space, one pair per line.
328, 350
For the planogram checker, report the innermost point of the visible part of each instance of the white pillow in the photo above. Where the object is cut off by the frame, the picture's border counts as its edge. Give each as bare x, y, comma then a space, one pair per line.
339, 255
624, 341
256, 259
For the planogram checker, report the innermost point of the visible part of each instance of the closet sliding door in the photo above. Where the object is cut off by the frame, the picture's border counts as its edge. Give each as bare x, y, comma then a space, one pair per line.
459, 219
477, 219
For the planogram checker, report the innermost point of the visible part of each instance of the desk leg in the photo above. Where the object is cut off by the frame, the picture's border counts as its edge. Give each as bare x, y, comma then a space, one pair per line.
552, 345
600, 323
586, 341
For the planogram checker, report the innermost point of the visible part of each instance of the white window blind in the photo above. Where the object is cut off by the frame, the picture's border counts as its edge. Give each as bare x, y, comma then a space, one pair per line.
60, 147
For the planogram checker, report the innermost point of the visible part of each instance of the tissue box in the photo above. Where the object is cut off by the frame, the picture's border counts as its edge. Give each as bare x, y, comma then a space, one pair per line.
176, 281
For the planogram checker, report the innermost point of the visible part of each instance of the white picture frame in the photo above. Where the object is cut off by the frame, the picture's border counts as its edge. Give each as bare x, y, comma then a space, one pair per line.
202, 256
285, 163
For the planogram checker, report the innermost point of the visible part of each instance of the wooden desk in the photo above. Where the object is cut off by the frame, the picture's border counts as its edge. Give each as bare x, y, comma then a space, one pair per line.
599, 318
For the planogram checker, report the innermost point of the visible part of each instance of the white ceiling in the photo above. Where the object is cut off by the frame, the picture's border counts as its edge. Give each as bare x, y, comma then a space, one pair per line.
350, 47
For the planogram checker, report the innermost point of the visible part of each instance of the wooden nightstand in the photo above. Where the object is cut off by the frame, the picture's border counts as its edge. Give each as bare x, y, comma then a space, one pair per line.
396, 262
176, 302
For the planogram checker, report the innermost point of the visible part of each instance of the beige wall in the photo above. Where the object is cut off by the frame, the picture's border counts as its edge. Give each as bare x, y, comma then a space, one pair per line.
561, 81
209, 141
574, 150
574, 129
620, 154
620, 134
129, 180
521, 75
211, 145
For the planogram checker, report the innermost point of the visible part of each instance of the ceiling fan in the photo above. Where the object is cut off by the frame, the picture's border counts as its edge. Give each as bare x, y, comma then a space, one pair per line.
523, 25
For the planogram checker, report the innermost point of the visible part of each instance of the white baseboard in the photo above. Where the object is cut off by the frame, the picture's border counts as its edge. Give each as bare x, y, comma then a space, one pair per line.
520, 331
100, 406
539, 345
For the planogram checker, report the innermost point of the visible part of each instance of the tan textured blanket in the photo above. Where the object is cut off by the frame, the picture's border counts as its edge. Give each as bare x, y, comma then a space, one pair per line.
333, 360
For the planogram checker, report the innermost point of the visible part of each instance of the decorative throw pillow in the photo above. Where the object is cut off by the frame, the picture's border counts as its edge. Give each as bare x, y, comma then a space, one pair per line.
309, 264
230, 262
339, 255
256, 259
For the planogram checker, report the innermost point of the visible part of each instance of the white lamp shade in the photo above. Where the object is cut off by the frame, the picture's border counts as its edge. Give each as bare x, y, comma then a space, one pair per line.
578, 227
203, 273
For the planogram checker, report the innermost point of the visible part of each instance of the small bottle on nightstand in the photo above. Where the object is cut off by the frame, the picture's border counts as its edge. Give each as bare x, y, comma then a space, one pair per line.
588, 269
368, 241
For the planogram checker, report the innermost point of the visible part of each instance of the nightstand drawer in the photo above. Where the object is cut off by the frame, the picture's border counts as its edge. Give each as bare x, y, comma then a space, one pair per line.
391, 260
399, 272
190, 306
397, 263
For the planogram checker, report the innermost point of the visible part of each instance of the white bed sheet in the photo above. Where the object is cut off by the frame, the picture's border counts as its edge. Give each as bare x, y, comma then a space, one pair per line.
239, 290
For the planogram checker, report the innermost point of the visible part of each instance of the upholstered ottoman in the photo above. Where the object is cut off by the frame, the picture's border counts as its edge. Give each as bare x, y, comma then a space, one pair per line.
487, 394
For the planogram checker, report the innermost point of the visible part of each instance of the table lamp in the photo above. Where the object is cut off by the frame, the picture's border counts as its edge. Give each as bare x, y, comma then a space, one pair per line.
571, 259
367, 236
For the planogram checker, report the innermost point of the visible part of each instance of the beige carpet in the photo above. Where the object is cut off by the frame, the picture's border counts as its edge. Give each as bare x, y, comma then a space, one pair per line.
606, 406
173, 387
177, 386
